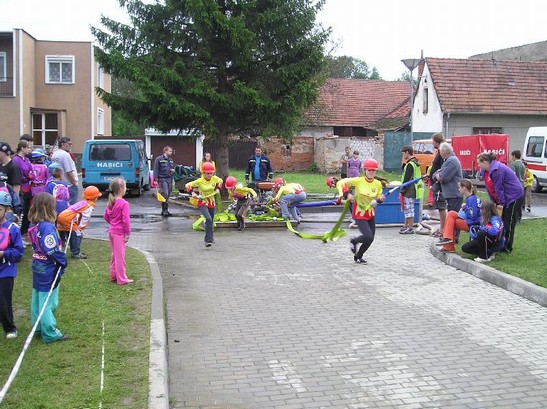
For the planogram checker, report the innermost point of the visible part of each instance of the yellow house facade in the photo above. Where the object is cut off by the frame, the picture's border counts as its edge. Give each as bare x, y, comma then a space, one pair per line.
47, 90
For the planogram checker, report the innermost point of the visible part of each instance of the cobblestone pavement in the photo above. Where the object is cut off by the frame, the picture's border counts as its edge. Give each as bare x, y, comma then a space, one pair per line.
264, 319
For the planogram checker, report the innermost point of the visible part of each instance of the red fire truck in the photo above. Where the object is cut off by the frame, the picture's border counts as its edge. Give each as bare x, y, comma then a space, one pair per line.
467, 147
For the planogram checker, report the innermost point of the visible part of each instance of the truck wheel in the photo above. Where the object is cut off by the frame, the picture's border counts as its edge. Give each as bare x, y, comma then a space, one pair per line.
137, 192
536, 187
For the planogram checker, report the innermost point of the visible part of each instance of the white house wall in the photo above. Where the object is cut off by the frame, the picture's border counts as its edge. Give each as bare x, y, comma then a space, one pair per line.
515, 126
432, 121
317, 131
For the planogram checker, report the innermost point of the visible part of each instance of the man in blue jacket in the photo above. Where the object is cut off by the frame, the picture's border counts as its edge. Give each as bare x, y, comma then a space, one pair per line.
259, 167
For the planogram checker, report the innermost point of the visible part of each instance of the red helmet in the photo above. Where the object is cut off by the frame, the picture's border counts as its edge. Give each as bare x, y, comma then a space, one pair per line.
370, 164
278, 182
230, 182
331, 181
207, 167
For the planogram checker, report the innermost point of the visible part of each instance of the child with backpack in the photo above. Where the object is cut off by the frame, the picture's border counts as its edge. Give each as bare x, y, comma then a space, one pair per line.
48, 265
11, 252
40, 170
73, 221
58, 188
16, 206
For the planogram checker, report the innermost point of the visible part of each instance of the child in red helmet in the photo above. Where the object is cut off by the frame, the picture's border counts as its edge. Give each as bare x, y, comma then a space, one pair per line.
206, 185
366, 195
289, 195
242, 195
75, 219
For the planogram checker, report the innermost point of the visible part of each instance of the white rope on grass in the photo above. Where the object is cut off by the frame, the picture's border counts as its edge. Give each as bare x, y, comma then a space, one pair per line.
102, 372
101, 384
17, 365
15, 369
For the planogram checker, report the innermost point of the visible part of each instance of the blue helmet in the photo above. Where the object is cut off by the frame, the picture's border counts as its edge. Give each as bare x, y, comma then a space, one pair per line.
5, 198
54, 165
38, 153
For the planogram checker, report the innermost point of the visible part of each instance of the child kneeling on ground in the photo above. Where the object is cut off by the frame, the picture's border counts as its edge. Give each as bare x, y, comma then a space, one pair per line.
488, 238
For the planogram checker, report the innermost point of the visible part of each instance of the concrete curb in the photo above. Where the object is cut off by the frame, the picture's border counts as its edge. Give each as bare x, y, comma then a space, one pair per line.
503, 280
158, 374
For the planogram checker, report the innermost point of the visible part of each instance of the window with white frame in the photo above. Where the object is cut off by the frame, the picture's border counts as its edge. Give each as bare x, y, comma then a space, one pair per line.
60, 69
45, 128
100, 121
3, 67
100, 77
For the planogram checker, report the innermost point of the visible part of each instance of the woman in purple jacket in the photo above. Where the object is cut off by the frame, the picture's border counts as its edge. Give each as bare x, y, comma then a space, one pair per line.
24, 149
504, 189
116, 215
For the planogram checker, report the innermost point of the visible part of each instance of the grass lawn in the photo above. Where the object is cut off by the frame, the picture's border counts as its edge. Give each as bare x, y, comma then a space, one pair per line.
527, 261
68, 374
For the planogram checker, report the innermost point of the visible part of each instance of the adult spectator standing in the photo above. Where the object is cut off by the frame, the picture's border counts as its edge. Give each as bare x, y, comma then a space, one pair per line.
24, 149
259, 168
206, 158
449, 176
411, 170
28, 138
518, 167
164, 169
344, 161
9, 171
504, 189
438, 200
70, 174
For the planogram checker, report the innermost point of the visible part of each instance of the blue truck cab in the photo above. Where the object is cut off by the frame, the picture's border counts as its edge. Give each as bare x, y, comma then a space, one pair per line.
106, 159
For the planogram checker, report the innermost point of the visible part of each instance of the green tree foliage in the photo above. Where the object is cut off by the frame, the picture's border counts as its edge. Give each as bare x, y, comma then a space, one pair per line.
125, 127
122, 125
349, 67
217, 67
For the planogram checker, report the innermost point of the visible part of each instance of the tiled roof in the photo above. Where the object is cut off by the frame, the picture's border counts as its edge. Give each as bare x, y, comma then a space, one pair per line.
356, 102
490, 86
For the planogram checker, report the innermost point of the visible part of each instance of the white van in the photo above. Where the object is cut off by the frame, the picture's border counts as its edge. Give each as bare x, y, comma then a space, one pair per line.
535, 154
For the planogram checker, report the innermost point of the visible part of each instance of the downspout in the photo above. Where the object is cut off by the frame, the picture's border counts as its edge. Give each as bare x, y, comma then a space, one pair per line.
20, 73
446, 125
92, 102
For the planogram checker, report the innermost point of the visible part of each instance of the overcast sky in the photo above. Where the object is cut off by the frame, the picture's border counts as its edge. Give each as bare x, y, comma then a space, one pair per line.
380, 32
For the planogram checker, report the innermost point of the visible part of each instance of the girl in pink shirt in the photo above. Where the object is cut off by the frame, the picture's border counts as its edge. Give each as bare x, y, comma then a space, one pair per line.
116, 215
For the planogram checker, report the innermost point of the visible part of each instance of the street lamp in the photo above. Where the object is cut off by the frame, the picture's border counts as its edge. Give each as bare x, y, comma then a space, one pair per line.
411, 64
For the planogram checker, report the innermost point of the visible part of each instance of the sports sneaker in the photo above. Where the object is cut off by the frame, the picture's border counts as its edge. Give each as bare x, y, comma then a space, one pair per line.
359, 260
402, 229
352, 225
208, 244
409, 230
353, 246
80, 256
437, 233
11, 335
443, 241
482, 260
447, 250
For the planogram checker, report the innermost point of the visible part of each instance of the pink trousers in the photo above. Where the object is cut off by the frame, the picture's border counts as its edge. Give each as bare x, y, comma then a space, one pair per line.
117, 260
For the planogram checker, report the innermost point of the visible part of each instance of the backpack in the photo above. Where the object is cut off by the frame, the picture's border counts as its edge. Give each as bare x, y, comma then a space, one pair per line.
61, 193
41, 176
16, 205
